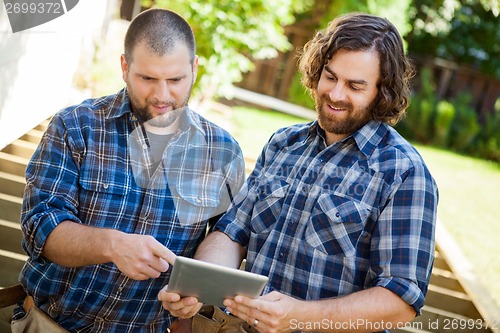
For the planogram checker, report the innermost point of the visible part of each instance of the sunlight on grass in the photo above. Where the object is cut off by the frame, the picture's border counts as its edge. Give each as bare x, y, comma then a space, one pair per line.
469, 191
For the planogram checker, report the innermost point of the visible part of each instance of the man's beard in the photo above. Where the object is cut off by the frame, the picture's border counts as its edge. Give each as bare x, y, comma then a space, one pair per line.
163, 120
354, 120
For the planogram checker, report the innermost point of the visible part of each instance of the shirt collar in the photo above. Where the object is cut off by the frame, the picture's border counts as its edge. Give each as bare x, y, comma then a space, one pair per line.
366, 138
120, 104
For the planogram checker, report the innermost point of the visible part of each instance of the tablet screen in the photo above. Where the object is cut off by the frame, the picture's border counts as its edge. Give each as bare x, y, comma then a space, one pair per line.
211, 283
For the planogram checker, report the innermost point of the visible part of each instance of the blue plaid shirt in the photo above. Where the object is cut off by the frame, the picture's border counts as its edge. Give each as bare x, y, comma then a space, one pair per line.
325, 221
86, 170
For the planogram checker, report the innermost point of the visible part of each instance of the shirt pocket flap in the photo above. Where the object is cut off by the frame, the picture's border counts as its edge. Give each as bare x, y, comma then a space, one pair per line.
105, 180
342, 210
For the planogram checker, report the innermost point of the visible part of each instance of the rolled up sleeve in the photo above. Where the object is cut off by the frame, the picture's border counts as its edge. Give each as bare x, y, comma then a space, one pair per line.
51, 193
403, 243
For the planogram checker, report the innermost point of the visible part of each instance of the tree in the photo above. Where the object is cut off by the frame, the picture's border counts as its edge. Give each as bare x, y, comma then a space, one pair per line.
229, 33
463, 31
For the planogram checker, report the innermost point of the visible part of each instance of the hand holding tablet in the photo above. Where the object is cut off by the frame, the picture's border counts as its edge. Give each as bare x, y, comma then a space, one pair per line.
211, 283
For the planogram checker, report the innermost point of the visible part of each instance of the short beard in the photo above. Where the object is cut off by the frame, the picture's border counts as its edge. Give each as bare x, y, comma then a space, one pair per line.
164, 120
167, 119
355, 120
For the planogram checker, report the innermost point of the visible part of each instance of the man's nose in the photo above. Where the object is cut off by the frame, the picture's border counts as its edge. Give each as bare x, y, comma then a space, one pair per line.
162, 91
337, 92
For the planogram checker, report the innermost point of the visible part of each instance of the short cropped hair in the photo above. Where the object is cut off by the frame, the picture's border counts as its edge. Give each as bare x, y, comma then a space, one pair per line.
364, 32
161, 30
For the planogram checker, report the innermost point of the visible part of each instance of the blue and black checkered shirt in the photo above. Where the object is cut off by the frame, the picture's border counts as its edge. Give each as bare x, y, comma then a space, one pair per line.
93, 167
324, 221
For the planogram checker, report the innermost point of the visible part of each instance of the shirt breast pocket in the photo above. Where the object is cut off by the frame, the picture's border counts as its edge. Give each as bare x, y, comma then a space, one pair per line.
106, 181
197, 201
336, 225
270, 197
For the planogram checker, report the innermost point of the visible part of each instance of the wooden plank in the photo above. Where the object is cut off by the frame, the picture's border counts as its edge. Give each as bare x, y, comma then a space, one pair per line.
12, 184
440, 262
10, 207
13, 164
438, 320
33, 136
11, 295
273, 103
20, 148
444, 82
490, 98
451, 301
10, 266
43, 125
445, 279
485, 304
477, 89
11, 236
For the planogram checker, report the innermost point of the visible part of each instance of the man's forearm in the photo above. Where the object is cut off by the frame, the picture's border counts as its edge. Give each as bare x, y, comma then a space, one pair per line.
364, 311
219, 249
73, 245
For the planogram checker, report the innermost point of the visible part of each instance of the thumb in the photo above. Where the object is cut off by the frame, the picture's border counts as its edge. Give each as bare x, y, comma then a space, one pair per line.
273, 296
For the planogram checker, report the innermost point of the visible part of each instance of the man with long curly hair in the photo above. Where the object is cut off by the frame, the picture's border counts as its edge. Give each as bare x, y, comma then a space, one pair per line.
339, 213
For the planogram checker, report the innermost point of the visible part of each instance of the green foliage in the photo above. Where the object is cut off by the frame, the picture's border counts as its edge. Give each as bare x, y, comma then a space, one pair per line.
229, 33
465, 125
463, 31
488, 140
298, 94
443, 118
420, 112
450, 124
394, 10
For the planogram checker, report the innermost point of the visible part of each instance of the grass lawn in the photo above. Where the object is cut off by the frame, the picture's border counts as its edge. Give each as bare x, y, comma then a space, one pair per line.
469, 209
469, 189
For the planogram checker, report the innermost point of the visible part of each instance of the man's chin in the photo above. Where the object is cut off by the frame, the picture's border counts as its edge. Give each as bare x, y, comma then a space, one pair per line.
166, 119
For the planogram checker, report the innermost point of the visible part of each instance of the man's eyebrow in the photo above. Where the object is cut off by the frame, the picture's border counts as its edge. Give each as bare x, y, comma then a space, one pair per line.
330, 71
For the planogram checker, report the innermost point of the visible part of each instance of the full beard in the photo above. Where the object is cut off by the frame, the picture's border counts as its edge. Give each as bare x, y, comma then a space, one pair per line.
346, 124
163, 120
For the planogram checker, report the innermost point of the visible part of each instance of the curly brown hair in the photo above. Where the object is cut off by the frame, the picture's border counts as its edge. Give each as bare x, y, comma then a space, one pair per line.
364, 32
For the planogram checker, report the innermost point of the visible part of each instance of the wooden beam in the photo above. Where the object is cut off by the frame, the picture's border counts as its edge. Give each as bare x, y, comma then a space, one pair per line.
464, 272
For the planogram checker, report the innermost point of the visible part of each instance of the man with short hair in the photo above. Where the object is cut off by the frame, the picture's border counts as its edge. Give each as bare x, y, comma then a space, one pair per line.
119, 186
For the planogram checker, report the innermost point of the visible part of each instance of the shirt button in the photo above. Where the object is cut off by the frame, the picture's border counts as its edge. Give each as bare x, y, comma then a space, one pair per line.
105, 186
144, 146
337, 214
198, 200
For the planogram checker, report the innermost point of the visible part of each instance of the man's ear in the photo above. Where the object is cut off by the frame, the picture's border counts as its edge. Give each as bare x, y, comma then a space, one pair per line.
195, 67
124, 65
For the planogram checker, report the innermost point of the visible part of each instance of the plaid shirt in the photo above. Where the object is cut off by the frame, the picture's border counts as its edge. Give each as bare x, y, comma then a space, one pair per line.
324, 221
87, 170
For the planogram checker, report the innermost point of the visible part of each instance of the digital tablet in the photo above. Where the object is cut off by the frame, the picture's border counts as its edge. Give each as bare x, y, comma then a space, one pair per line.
211, 283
